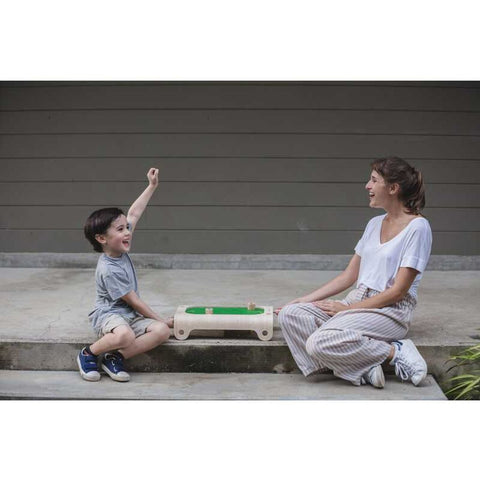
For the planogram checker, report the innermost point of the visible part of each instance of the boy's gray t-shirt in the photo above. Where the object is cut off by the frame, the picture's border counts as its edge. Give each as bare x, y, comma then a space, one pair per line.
114, 278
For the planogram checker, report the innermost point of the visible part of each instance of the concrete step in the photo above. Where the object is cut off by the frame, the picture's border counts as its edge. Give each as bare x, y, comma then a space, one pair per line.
195, 355
210, 355
63, 385
44, 321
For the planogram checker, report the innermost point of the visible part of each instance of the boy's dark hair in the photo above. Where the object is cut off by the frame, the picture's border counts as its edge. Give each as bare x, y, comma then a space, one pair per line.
98, 223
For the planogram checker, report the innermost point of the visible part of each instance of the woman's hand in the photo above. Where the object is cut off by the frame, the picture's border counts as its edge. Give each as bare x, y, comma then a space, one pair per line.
331, 307
152, 176
297, 300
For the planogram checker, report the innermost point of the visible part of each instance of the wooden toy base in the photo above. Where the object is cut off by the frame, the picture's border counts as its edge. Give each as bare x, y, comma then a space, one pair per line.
189, 318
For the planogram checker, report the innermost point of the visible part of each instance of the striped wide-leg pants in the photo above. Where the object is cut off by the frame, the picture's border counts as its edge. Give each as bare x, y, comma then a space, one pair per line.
349, 343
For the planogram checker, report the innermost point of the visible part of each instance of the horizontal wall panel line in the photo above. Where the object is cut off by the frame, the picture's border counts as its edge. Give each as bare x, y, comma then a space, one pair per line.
304, 182
215, 182
470, 85
296, 134
230, 109
277, 132
230, 157
233, 231
289, 206
160, 230
237, 109
272, 83
228, 205
240, 109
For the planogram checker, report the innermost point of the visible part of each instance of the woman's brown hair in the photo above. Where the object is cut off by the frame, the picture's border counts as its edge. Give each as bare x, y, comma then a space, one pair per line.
409, 179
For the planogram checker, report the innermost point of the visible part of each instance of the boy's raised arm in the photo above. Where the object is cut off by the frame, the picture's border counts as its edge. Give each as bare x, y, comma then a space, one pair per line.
139, 205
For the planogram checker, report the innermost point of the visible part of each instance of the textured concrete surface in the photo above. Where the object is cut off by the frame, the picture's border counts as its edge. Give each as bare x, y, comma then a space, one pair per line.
44, 320
202, 386
40, 304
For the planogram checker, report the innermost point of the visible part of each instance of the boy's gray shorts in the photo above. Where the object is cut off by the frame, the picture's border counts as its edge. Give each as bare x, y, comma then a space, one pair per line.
138, 324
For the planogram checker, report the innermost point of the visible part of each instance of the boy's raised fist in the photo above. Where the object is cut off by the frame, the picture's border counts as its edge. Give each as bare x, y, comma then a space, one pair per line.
152, 176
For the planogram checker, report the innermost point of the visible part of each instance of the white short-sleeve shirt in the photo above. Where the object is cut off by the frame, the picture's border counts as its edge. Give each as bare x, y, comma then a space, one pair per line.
380, 261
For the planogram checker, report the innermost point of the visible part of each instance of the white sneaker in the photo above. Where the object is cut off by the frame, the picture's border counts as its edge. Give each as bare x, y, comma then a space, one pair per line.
409, 364
374, 377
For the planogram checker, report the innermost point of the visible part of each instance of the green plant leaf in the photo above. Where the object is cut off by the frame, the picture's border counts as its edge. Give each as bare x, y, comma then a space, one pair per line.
469, 389
467, 384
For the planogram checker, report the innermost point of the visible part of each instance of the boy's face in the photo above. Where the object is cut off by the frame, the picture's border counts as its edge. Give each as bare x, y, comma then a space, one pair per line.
117, 239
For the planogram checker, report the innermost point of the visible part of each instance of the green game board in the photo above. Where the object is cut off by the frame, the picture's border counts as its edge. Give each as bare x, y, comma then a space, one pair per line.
225, 311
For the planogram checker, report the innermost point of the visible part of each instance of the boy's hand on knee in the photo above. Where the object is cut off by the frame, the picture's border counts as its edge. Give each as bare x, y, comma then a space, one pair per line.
168, 322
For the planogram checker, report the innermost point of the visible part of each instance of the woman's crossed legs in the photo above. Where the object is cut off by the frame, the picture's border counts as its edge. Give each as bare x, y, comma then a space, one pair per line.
349, 343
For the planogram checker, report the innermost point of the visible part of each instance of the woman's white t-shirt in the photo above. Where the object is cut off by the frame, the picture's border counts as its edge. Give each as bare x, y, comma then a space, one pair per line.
380, 261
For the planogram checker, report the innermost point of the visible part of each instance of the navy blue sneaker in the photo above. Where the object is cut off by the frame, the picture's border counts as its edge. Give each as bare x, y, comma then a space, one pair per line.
112, 363
88, 366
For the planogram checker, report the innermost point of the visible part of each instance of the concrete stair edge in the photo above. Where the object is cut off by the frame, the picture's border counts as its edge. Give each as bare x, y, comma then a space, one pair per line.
202, 386
199, 355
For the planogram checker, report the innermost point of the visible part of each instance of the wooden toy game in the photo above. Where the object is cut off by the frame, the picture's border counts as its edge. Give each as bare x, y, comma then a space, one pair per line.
189, 318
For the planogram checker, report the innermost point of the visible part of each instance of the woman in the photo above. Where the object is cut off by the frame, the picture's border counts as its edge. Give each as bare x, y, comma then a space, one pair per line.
353, 337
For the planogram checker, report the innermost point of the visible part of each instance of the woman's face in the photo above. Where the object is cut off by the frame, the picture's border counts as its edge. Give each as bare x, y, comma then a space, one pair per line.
378, 191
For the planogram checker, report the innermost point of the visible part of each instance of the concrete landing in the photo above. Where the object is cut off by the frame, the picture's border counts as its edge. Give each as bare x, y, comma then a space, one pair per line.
42, 304
201, 386
43, 322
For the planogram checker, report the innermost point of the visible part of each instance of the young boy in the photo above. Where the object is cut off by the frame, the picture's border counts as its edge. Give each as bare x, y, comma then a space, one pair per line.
125, 324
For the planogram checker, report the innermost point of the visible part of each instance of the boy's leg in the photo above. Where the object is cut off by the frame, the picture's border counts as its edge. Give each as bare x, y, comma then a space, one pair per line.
120, 333
149, 333
146, 334
128, 338
116, 334
155, 334
120, 337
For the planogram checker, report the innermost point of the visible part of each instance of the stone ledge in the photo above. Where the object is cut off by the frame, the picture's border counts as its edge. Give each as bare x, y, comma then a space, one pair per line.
200, 386
196, 356
218, 262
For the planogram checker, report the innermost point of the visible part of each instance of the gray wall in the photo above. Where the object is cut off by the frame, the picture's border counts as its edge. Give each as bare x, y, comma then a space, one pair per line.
255, 167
